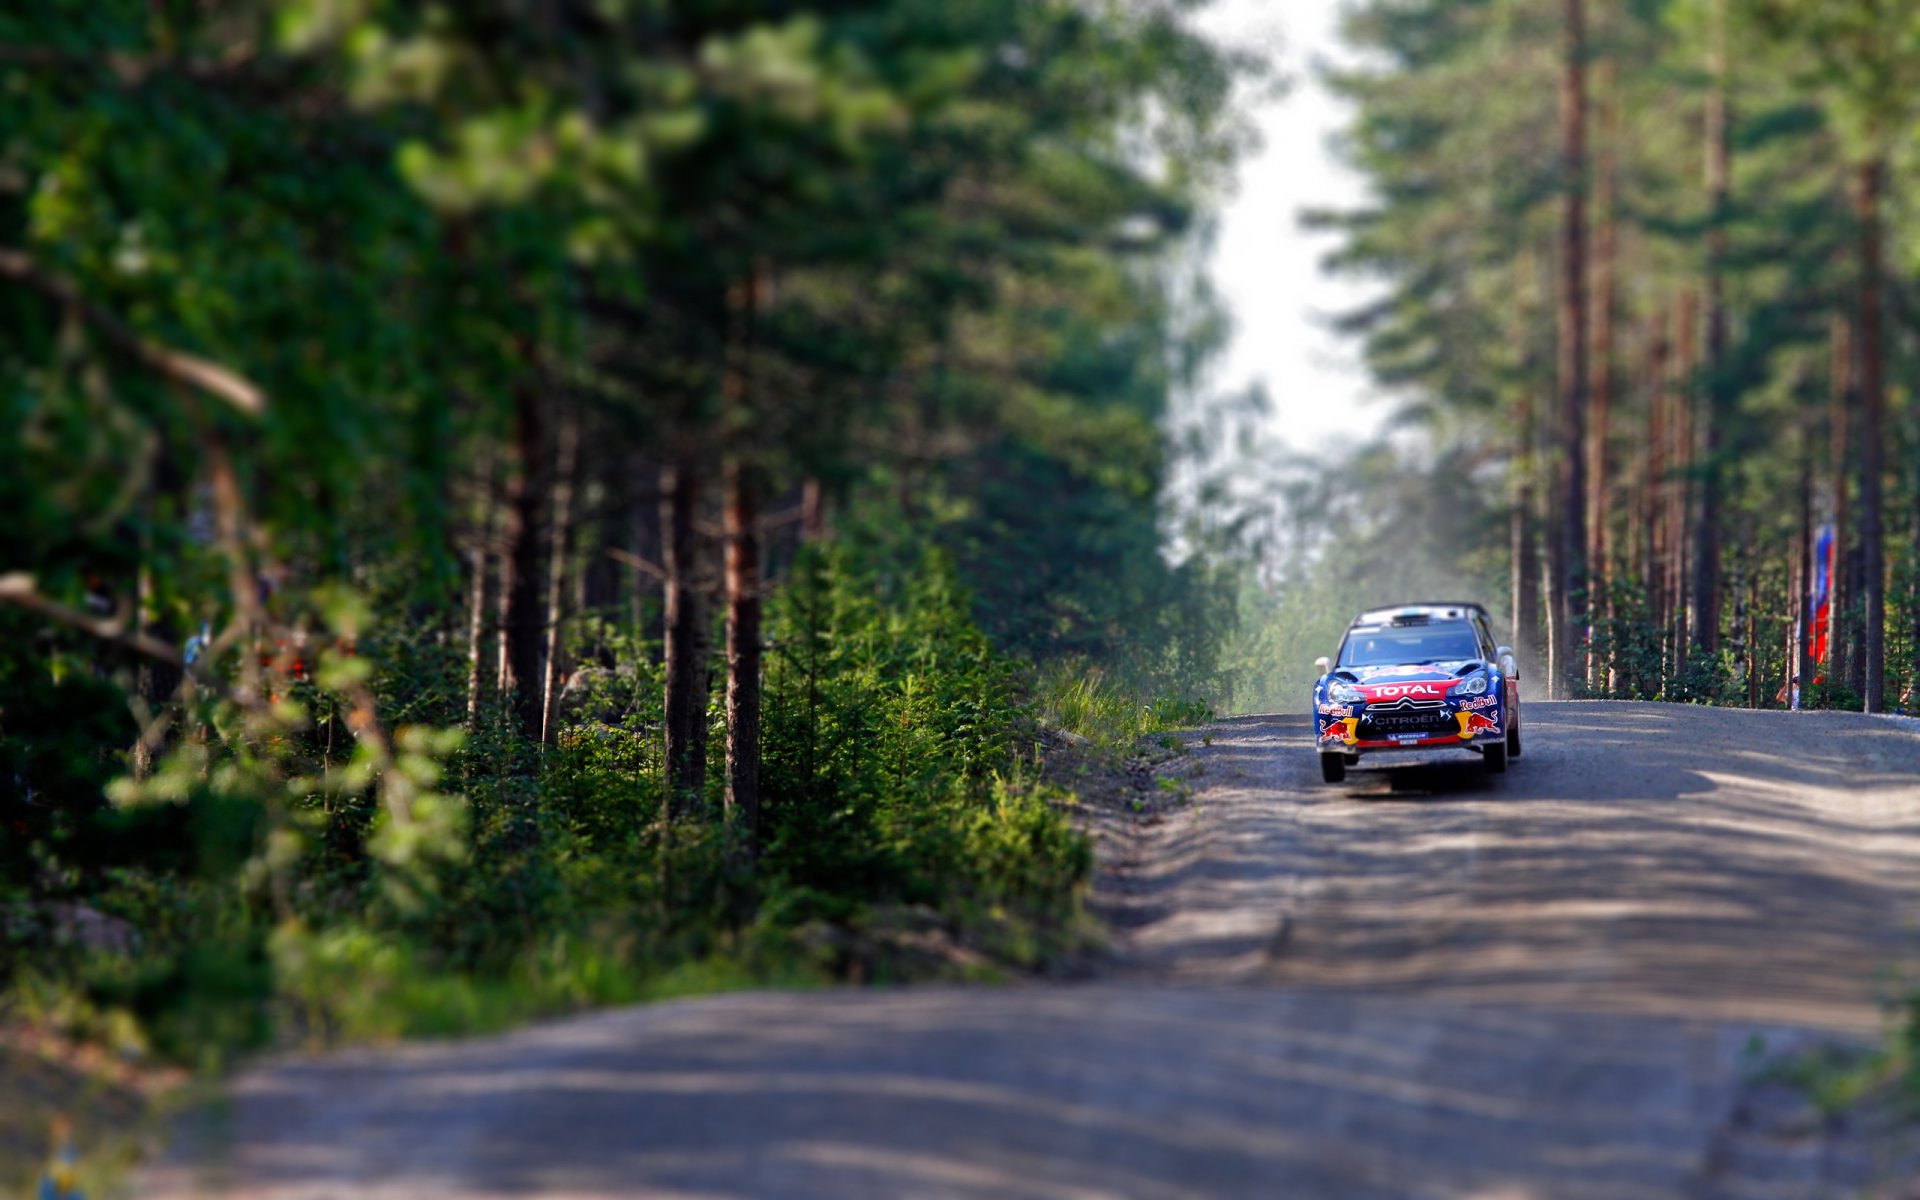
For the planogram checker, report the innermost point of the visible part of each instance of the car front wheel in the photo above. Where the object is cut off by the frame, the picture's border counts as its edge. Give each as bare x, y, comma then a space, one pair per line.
1513, 740
1496, 758
1333, 767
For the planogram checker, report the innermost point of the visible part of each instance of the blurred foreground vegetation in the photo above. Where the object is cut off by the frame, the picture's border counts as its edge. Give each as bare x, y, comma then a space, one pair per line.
513, 507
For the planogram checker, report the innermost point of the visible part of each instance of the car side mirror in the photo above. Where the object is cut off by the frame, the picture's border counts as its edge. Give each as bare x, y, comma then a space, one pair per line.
1507, 666
1323, 664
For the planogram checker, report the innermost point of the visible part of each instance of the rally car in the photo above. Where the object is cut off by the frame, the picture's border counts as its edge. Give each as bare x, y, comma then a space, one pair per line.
1424, 676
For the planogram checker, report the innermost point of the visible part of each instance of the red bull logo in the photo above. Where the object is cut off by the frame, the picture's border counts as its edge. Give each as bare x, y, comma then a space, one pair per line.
1473, 724
1339, 731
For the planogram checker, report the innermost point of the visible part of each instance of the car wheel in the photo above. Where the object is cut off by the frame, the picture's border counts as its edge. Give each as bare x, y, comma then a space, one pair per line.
1496, 758
1333, 768
1513, 740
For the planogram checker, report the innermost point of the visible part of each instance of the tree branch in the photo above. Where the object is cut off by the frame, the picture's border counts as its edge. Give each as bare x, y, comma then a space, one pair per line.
197, 373
21, 590
629, 558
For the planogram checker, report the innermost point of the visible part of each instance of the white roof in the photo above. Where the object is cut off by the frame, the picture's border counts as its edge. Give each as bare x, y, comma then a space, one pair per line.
1445, 611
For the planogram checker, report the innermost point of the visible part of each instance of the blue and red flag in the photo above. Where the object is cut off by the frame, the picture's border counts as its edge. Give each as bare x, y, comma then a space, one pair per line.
1821, 601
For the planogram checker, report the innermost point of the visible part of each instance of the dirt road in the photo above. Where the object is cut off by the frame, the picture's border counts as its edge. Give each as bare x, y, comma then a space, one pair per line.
1569, 981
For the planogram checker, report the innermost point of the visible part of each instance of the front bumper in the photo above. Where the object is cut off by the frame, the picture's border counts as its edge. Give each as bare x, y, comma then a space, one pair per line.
1353, 734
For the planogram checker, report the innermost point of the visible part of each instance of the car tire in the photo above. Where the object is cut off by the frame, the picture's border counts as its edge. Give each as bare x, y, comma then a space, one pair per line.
1333, 767
1496, 758
1513, 740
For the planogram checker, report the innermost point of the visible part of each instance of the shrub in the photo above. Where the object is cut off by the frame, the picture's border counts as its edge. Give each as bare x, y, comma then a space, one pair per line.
445, 881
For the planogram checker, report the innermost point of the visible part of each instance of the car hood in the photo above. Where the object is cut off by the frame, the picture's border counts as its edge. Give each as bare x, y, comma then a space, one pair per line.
1411, 681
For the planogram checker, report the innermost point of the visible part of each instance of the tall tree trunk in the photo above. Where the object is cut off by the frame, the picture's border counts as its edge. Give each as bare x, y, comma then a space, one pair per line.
567, 461
1524, 524
743, 492
1524, 561
525, 613
1855, 679
1911, 696
1686, 378
1567, 543
480, 591
743, 566
1744, 620
1525, 575
700, 736
1840, 629
1792, 655
1805, 568
686, 637
1602, 674
1653, 497
1713, 412
1873, 410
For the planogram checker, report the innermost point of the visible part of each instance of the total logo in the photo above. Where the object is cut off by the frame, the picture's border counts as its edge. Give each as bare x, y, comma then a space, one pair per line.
1397, 691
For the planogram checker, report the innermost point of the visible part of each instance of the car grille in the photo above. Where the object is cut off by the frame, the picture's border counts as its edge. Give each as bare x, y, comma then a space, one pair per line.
1428, 722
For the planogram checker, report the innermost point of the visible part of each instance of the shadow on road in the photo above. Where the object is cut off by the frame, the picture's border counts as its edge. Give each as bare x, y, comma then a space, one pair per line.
1428, 982
1063, 1092
1639, 858
1424, 781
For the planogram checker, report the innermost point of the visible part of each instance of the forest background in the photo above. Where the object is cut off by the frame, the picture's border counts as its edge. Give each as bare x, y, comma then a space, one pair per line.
521, 505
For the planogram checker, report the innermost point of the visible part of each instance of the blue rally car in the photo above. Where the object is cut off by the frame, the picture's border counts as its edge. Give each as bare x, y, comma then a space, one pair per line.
1424, 676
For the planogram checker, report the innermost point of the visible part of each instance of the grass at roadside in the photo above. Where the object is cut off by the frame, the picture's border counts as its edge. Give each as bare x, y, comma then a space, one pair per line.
1083, 701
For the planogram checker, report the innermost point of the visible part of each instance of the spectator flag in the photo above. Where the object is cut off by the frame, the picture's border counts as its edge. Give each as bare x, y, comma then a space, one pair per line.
1821, 601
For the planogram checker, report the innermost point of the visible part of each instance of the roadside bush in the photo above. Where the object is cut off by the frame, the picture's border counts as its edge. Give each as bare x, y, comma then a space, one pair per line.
893, 767
1082, 700
1830, 694
452, 880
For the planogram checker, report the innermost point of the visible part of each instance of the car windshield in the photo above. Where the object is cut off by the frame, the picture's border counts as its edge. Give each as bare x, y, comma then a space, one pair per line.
1394, 646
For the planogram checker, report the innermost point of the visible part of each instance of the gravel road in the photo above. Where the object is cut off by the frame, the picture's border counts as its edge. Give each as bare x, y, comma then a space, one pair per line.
1575, 980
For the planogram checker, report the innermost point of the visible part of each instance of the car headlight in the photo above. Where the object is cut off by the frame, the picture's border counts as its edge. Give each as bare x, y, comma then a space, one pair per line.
1341, 692
1475, 686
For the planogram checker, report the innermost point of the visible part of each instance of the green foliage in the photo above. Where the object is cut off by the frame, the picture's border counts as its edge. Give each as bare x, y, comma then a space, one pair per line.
893, 779
1462, 237
251, 726
1864, 56
899, 813
1082, 700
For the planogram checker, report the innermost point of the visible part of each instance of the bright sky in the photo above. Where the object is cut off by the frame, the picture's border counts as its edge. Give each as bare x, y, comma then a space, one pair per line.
1265, 266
